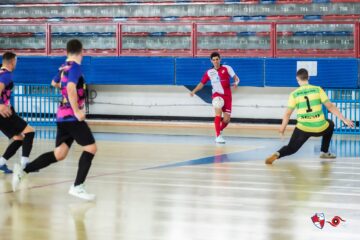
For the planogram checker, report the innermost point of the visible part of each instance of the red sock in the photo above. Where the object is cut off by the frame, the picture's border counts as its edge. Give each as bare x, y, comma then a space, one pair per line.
217, 122
223, 126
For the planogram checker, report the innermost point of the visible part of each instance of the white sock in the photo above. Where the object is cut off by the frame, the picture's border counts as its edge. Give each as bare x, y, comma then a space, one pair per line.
24, 161
2, 161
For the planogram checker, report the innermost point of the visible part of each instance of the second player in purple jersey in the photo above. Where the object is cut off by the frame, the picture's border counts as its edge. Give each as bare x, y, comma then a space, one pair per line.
70, 72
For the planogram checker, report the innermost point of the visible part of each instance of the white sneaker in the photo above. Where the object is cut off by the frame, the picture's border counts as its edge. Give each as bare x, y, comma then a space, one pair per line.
80, 192
219, 139
17, 177
327, 155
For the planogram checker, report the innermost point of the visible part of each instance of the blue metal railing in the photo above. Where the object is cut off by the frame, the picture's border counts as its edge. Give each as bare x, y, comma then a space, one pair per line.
348, 102
346, 146
36, 103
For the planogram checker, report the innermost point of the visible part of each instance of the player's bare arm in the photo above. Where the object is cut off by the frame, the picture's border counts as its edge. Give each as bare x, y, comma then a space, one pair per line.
55, 84
73, 98
236, 81
334, 110
285, 120
4, 110
196, 89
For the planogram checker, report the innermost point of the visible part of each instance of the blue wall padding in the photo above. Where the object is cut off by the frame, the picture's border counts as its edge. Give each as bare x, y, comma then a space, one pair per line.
332, 73
37, 69
257, 72
132, 70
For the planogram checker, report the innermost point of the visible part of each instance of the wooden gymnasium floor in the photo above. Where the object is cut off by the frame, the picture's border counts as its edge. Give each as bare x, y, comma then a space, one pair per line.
171, 182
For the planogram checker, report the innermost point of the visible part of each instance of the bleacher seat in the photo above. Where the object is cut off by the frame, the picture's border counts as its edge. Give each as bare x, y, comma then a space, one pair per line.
164, 39
172, 10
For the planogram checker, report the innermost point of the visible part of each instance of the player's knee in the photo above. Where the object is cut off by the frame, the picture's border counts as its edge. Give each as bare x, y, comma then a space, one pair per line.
226, 120
60, 154
18, 138
28, 129
61, 151
91, 148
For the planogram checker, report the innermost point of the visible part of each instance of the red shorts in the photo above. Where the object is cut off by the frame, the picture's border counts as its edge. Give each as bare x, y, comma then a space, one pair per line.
227, 102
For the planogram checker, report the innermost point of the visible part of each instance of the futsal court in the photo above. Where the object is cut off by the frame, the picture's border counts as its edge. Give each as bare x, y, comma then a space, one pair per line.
172, 185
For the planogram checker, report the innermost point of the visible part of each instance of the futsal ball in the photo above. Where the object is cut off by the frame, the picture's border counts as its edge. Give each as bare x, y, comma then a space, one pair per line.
218, 102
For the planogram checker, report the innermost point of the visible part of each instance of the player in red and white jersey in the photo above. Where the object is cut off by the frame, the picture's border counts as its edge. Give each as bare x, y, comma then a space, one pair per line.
219, 76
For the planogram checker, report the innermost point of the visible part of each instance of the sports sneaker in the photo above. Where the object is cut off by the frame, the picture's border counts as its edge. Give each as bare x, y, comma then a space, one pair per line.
80, 192
272, 158
219, 139
17, 177
327, 155
4, 168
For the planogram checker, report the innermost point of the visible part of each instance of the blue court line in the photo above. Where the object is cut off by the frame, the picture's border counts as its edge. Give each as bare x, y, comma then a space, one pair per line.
343, 148
247, 155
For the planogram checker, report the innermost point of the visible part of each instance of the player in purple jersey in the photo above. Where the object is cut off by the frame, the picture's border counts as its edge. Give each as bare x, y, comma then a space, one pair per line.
71, 124
14, 127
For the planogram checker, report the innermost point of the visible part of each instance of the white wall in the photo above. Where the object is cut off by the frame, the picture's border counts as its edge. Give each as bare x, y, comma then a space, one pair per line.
248, 102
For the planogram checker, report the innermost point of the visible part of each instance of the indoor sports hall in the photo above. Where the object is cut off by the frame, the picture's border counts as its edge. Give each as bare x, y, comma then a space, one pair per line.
167, 165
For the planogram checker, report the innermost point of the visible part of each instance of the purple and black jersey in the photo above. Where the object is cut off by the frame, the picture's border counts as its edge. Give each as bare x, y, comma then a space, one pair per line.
6, 79
70, 72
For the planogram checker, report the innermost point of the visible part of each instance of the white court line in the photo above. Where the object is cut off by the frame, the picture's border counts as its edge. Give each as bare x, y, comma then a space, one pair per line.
212, 181
211, 167
238, 188
191, 173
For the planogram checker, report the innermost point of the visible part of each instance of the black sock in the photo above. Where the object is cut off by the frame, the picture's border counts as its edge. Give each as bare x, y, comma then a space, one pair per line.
84, 166
42, 161
12, 148
27, 144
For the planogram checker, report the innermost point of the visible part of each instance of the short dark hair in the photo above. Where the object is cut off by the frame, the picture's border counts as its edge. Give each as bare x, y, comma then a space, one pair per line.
302, 74
214, 54
74, 46
8, 56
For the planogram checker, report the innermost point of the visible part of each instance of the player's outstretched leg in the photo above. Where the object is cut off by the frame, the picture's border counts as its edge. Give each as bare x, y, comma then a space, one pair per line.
297, 139
40, 162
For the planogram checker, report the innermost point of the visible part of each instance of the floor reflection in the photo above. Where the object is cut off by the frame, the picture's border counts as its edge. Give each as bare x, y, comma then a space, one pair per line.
298, 184
78, 212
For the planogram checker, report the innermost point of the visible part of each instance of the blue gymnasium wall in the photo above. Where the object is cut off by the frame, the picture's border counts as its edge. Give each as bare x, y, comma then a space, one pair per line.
331, 73
258, 72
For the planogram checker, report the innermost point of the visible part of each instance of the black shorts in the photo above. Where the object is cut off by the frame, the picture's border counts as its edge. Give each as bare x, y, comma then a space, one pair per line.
13, 125
67, 132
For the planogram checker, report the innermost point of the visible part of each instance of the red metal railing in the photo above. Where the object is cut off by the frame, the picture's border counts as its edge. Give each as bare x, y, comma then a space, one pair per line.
269, 32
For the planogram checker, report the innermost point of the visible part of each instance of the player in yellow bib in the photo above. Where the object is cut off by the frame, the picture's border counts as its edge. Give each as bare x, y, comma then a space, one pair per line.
308, 100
